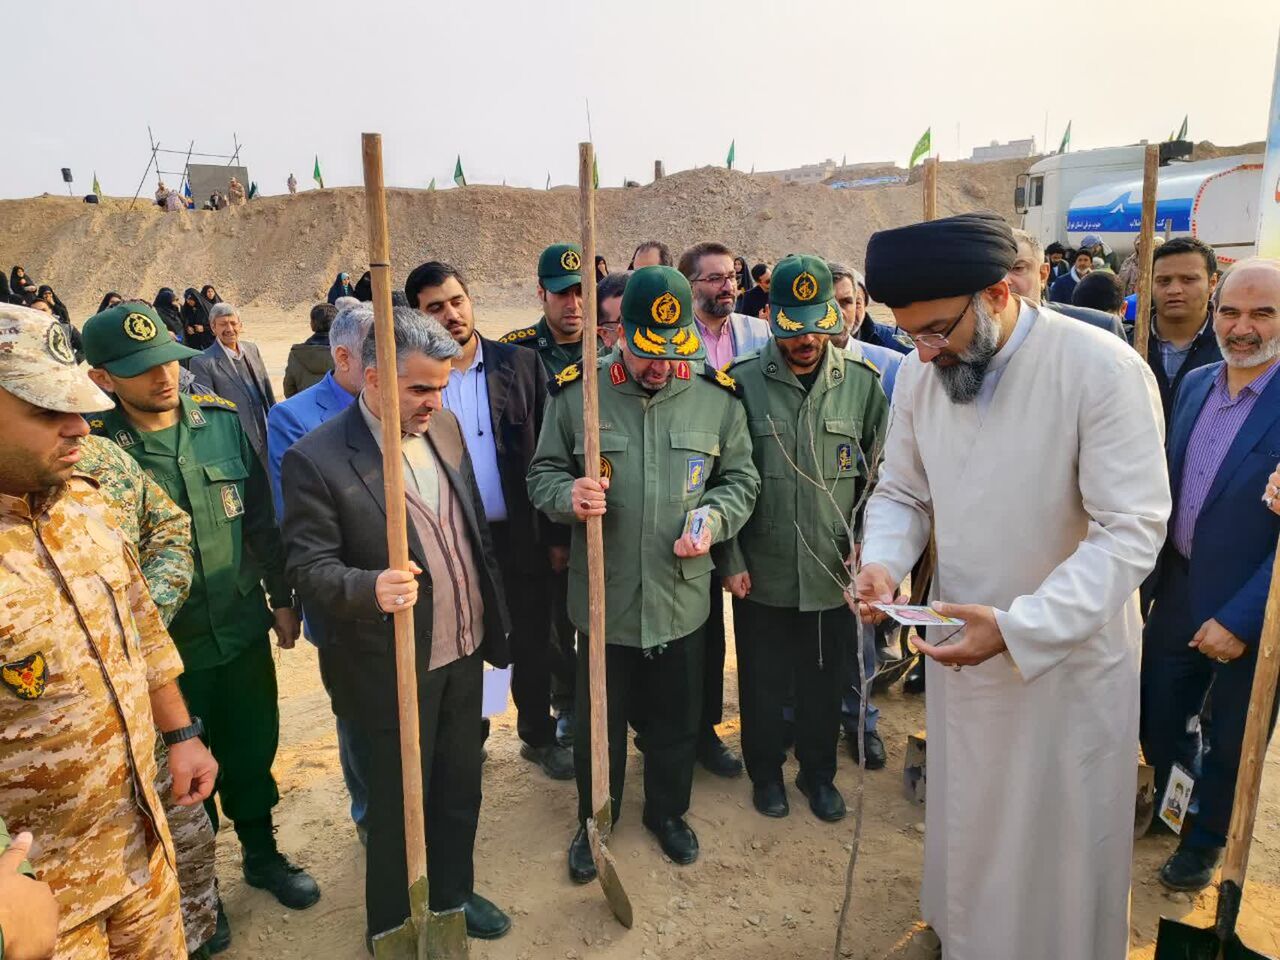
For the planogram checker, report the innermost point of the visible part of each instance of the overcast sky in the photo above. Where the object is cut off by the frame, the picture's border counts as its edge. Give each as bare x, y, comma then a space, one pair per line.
505, 82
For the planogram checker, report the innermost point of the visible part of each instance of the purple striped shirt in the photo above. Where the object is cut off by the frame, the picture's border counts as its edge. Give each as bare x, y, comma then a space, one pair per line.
1216, 427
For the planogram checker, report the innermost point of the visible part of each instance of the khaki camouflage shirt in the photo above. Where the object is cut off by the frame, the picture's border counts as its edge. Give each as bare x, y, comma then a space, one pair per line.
147, 517
81, 647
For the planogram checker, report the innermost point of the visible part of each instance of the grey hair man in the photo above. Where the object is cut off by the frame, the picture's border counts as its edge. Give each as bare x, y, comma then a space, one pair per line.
334, 515
609, 308
234, 370
1029, 275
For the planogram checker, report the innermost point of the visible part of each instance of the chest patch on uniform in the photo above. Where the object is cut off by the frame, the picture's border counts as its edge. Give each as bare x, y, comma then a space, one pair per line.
26, 677
232, 505
844, 457
606, 468
197, 418
682, 370
695, 475
616, 373
124, 439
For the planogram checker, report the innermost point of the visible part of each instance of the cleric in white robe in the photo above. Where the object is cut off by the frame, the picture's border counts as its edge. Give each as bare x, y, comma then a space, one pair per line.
1031, 445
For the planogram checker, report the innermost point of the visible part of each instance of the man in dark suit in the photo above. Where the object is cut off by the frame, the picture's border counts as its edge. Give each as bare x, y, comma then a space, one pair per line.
497, 391
1210, 587
334, 522
234, 369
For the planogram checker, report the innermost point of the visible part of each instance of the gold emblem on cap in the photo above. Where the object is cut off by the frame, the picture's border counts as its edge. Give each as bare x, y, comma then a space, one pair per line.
138, 326
786, 323
649, 342
805, 286
58, 345
570, 260
665, 310
686, 342
830, 319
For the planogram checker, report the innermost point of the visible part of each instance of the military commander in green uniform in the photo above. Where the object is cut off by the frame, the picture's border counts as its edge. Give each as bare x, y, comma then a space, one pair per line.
194, 447
672, 439
811, 409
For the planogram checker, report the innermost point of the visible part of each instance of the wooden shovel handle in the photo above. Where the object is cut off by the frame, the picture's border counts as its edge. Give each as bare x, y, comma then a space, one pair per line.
1254, 747
415, 838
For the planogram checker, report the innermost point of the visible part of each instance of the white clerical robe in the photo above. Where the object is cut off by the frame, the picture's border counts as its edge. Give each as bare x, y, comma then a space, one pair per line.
1049, 505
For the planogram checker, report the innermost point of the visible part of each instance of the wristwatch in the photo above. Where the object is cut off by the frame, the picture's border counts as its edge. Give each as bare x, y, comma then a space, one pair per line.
183, 733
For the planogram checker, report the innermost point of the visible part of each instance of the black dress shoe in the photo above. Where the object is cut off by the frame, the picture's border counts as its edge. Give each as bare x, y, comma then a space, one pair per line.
913, 682
1190, 868
873, 747
556, 762
677, 839
716, 757
582, 869
770, 798
484, 920
221, 938
564, 729
824, 799
289, 884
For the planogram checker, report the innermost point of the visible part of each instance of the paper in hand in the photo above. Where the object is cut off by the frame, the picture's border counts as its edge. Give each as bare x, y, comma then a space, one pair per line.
916, 616
697, 520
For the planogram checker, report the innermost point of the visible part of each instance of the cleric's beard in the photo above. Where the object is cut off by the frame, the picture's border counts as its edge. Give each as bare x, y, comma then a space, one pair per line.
963, 379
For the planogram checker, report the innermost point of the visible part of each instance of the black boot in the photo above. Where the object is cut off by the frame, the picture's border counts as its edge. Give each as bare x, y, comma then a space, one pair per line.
715, 756
582, 868
913, 682
266, 868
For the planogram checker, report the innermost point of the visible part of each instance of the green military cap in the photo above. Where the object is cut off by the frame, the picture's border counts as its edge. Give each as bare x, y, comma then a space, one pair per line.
657, 315
560, 267
129, 339
801, 299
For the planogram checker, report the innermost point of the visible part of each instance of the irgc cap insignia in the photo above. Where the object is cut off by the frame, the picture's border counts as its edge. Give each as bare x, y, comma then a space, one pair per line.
129, 339
138, 326
802, 299
657, 316
559, 267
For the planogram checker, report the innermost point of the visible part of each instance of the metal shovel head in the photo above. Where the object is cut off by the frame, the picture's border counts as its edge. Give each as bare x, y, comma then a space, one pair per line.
606, 871
424, 935
1144, 804
1181, 941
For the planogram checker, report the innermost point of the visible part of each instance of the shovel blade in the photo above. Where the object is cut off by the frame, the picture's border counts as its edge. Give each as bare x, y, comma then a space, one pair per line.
1181, 941
424, 935
1144, 804
607, 873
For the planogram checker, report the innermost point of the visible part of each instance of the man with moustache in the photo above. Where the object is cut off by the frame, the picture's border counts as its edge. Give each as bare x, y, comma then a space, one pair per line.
497, 392
1028, 445
817, 419
196, 450
672, 439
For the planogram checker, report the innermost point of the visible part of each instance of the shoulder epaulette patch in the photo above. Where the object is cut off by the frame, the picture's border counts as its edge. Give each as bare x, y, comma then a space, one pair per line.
868, 364
515, 336
565, 377
212, 400
722, 380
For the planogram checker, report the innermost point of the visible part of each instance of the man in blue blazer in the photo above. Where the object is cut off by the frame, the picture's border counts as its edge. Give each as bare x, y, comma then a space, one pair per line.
287, 422
1210, 587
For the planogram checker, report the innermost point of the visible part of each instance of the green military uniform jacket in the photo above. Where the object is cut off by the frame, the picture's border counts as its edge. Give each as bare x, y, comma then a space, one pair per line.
834, 433
217, 479
664, 454
555, 356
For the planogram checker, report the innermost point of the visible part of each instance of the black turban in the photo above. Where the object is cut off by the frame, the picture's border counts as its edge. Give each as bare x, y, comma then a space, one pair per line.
951, 257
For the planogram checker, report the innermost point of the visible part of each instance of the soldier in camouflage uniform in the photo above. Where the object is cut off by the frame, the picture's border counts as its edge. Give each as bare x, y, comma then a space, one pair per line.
87, 671
161, 533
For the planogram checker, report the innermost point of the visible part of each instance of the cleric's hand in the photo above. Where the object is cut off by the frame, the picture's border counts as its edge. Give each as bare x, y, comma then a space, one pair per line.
980, 640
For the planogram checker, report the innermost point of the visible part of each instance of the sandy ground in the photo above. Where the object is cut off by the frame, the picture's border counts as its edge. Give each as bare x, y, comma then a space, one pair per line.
761, 889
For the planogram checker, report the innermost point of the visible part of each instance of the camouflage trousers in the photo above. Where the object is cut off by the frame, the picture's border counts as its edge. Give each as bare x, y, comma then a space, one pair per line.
193, 841
145, 925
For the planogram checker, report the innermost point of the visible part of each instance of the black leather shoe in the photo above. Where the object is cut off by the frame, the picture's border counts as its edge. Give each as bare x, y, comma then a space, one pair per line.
873, 746
1190, 868
913, 682
677, 839
289, 884
716, 757
582, 869
564, 729
770, 798
221, 938
556, 762
484, 920
824, 799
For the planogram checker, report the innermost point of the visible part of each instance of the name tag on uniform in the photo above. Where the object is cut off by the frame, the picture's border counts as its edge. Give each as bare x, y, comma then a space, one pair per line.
232, 505
696, 475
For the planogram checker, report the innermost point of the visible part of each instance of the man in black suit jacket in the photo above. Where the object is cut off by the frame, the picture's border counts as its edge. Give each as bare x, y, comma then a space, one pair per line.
335, 518
233, 368
497, 392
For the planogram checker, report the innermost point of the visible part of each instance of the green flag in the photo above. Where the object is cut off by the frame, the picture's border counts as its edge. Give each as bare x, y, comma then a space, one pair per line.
922, 148
316, 175
595, 171
459, 177
253, 189
728, 161
1066, 139
96, 188
432, 184
1182, 130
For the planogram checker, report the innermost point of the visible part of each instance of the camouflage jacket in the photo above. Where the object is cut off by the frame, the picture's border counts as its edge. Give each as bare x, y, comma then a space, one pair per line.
81, 648
147, 518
